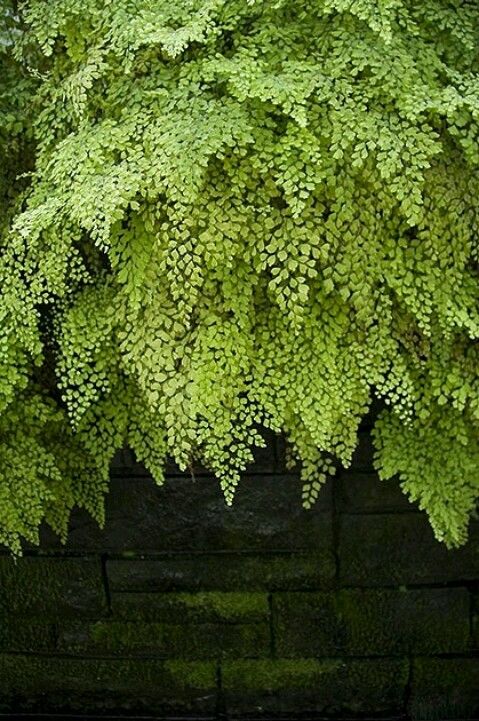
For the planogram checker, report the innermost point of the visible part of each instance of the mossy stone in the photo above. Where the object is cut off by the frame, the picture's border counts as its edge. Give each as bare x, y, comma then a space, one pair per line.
44, 586
63, 684
158, 640
199, 607
372, 622
327, 687
26, 634
252, 571
445, 688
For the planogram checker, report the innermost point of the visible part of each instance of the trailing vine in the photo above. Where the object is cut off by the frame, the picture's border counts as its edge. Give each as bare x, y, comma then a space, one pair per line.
227, 215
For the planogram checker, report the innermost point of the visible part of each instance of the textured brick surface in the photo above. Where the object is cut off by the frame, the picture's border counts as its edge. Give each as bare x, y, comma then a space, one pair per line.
372, 622
201, 607
323, 687
26, 634
172, 640
51, 586
90, 685
395, 549
364, 493
214, 571
185, 608
145, 517
445, 689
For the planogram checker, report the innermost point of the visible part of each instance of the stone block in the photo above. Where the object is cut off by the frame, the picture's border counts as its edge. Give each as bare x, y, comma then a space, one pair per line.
158, 640
365, 493
68, 685
445, 688
26, 635
42, 586
201, 607
330, 687
224, 571
367, 622
397, 549
186, 514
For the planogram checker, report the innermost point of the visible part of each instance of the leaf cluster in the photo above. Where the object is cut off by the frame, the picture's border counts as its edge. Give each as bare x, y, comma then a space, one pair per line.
222, 215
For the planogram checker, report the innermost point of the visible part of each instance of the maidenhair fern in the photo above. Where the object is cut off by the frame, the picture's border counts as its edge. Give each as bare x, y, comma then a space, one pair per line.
226, 215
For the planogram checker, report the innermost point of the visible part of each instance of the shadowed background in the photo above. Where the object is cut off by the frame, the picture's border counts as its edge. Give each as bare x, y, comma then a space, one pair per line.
182, 606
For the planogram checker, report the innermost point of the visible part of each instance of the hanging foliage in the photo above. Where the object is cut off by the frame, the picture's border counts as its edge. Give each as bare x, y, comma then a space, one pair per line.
220, 216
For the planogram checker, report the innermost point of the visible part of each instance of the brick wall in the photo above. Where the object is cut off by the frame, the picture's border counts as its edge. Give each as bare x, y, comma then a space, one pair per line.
184, 607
